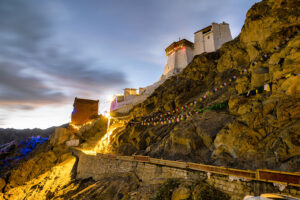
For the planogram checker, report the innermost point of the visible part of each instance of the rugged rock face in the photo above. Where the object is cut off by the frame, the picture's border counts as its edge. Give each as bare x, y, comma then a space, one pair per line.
184, 141
44, 172
118, 186
259, 131
266, 134
178, 189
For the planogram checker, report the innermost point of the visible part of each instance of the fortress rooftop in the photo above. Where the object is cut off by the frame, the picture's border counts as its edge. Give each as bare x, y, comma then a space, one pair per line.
174, 45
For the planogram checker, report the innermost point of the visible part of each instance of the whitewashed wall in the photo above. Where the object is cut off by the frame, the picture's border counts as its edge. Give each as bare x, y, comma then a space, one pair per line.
183, 57
170, 63
222, 34
178, 61
198, 43
209, 44
213, 40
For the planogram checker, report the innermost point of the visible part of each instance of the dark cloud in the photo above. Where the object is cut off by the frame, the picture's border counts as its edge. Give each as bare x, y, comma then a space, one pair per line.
27, 47
22, 91
23, 27
66, 66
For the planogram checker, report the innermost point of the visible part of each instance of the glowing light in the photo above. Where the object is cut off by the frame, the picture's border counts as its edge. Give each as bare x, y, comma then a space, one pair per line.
107, 115
175, 49
77, 127
110, 98
89, 152
104, 145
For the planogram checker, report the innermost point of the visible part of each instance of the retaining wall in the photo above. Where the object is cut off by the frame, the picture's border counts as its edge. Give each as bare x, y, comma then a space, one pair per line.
236, 183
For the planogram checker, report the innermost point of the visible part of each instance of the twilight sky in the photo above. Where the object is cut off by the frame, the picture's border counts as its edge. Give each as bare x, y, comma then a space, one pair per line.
53, 51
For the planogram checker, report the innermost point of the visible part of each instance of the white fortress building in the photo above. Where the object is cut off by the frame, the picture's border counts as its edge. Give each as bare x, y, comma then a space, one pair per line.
179, 54
208, 39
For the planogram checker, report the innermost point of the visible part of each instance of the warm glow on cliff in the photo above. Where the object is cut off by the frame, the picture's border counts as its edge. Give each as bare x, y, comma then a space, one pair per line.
103, 146
89, 152
77, 127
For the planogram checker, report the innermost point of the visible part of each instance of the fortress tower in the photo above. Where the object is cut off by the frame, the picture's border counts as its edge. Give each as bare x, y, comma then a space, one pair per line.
211, 38
179, 54
208, 39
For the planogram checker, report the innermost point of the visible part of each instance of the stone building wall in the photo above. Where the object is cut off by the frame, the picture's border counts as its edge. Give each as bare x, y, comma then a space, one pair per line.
209, 43
211, 38
178, 60
100, 166
129, 92
84, 110
222, 34
170, 63
183, 58
198, 43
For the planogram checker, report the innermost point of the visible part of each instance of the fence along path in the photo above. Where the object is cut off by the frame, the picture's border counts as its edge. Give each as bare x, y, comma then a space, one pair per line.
264, 175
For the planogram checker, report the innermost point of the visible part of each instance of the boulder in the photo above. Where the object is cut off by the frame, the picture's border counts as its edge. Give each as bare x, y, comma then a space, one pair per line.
203, 191
60, 136
181, 193
72, 143
242, 85
291, 86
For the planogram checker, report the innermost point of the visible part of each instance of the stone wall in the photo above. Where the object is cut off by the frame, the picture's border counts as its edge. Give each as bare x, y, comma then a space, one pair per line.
209, 42
222, 34
170, 63
84, 110
126, 105
157, 170
212, 40
183, 58
178, 60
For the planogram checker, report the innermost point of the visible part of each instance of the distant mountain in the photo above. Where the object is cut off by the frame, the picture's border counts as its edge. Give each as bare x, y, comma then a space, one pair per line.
10, 134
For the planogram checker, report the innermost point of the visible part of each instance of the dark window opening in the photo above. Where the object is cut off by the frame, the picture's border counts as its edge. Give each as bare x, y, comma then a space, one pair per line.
206, 31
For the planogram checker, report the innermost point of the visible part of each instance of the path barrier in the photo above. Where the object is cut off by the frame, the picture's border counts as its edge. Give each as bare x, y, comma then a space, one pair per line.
278, 177
264, 175
223, 170
109, 156
171, 163
141, 158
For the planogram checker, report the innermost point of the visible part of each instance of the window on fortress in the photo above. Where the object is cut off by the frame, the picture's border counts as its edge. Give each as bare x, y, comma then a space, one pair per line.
207, 37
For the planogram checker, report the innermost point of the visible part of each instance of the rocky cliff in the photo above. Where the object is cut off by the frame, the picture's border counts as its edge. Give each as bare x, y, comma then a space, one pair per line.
223, 116
258, 130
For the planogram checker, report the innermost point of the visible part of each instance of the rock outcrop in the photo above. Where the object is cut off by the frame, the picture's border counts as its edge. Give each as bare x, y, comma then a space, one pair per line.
259, 131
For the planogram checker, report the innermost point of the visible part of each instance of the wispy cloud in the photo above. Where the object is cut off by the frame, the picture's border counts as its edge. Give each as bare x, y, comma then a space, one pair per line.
27, 48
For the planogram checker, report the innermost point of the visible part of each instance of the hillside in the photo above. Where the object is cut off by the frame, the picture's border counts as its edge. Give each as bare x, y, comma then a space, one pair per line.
255, 130
237, 107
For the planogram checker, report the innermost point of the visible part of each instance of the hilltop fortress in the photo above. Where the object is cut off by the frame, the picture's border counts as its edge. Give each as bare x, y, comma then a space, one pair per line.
179, 55
208, 39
